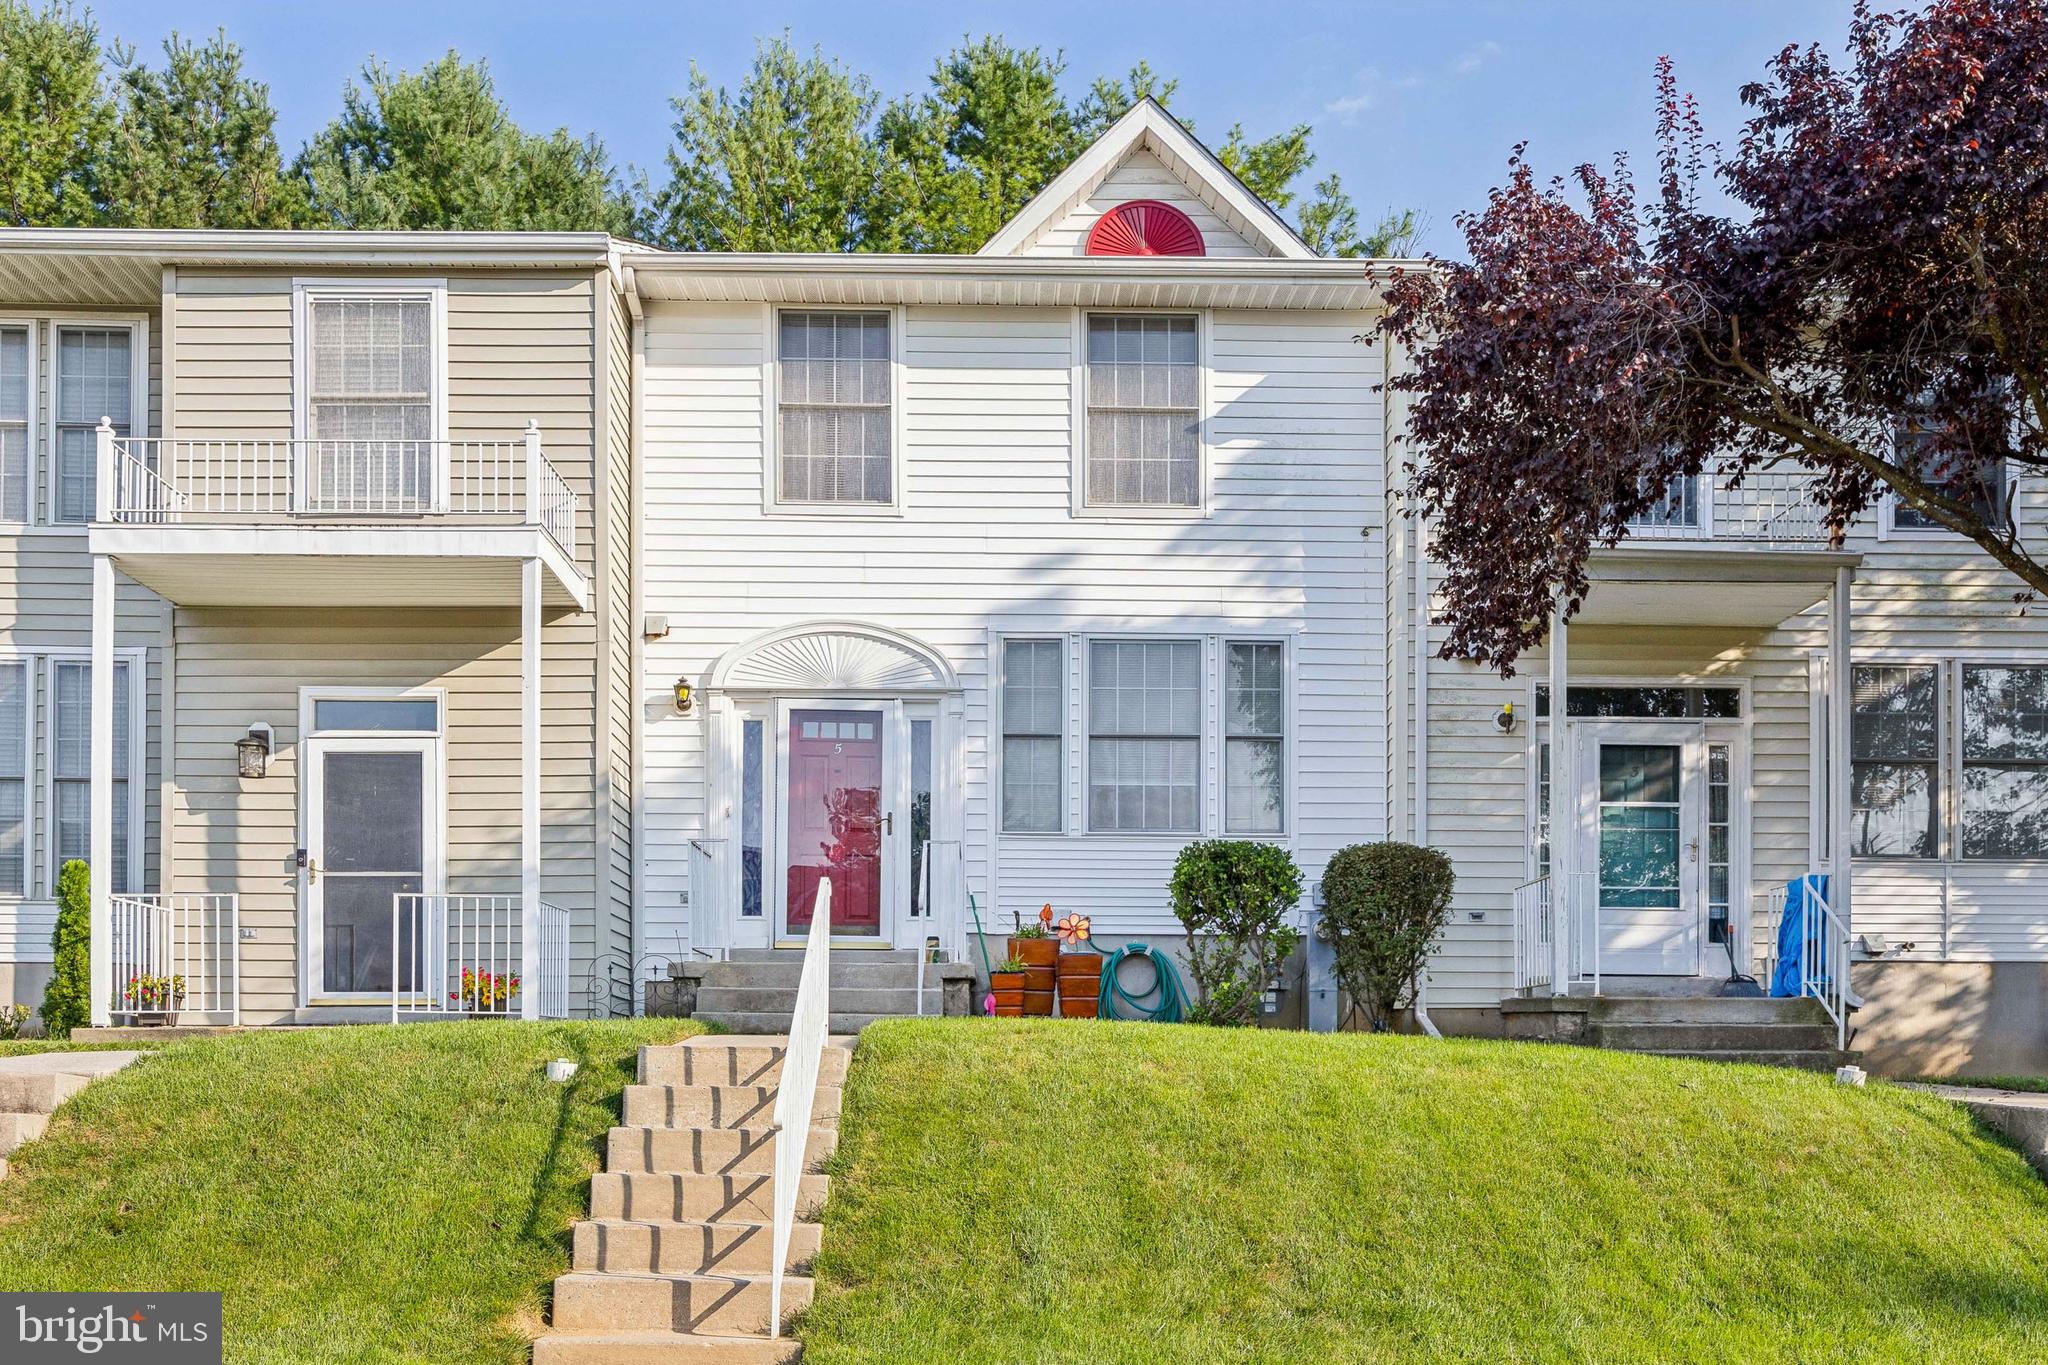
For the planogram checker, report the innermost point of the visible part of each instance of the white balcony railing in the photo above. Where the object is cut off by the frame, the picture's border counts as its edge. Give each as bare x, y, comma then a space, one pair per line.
1774, 509
176, 955
465, 956
155, 481
1557, 942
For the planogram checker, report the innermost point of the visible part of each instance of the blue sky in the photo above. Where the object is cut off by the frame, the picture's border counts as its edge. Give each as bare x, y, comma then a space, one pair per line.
1415, 104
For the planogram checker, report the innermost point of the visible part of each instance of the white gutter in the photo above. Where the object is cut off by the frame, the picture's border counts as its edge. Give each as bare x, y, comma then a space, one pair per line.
205, 246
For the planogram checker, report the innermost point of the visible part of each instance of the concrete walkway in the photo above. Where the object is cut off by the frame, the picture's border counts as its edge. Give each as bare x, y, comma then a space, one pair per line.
31, 1088
2021, 1115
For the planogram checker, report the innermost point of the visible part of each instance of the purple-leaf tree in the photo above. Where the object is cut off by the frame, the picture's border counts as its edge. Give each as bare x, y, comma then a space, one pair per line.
1874, 322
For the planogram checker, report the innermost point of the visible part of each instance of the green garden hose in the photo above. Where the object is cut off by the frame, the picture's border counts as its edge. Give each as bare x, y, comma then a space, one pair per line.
1165, 1003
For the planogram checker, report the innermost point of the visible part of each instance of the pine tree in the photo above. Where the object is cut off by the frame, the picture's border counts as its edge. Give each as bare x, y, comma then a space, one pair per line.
55, 117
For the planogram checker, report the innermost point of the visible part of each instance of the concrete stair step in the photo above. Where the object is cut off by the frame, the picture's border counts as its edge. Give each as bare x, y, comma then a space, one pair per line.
1803, 1060
651, 1248
713, 1305
718, 1106
728, 1001
734, 1061
851, 955
844, 975
766, 1022
685, 1197
38, 1092
1663, 1037
16, 1129
662, 1348
1713, 1009
708, 1151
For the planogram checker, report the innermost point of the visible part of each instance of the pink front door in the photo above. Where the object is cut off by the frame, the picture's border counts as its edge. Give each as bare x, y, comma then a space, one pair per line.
835, 817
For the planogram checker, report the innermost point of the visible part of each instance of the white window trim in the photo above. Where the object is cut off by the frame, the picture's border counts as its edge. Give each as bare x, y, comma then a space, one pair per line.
1947, 772
1286, 736
1211, 635
32, 687
33, 432
435, 855
307, 289
999, 671
772, 503
137, 660
138, 403
1077, 419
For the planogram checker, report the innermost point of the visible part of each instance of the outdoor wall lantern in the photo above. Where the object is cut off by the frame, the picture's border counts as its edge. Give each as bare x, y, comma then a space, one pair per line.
684, 696
252, 752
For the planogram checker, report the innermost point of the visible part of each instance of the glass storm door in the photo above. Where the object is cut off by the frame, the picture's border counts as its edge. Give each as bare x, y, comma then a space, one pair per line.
838, 819
1641, 800
369, 839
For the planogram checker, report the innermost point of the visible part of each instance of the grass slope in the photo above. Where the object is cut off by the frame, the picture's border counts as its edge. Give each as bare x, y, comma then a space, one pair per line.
1019, 1191
359, 1194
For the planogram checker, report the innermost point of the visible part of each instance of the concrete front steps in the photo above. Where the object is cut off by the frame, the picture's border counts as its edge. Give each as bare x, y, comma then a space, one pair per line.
673, 1263
1791, 1033
754, 991
32, 1086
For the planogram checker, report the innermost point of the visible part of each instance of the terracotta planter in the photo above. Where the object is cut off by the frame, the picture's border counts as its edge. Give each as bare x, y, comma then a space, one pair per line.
1080, 985
1039, 985
1036, 952
1008, 988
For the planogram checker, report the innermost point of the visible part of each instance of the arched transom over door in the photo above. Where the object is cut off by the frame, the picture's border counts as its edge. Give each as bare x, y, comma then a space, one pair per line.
840, 740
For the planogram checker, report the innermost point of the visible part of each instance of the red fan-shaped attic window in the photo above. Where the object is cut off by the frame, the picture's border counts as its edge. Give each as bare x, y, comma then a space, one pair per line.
1144, 227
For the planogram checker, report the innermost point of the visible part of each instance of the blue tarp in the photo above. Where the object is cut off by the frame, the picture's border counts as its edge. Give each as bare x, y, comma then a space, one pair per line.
1791, 950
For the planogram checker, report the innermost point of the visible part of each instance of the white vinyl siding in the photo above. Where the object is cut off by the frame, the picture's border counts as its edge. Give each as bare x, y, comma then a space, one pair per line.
16, 384
95, 379
1254, 737
71, 765
1141, 175
1144, 736
1143, 445
1033, 702
833, 402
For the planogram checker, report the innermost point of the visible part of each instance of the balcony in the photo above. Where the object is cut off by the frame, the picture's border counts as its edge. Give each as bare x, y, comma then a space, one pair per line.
338, 523
1773, 510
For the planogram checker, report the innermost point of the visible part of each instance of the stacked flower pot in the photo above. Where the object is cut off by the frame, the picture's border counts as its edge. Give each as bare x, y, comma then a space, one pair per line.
1040, 957
1080, 977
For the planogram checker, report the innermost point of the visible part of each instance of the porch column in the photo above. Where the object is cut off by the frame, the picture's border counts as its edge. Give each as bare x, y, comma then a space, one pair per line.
529, 789
1563, 808
1840, 677
100, 855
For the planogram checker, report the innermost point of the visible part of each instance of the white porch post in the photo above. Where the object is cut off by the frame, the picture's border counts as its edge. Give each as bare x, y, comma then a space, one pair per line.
1840, 676
100, 854
529, 789
1564, 804
534, 465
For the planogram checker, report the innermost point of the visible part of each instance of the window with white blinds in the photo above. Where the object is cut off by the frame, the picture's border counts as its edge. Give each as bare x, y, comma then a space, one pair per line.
1145, 736
1143, 442
71, 765
14, 428
833, 396
370, 403
1034, 704
95, 378
14, 722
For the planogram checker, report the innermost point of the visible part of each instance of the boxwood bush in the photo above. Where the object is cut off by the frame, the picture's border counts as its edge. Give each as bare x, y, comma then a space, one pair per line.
1233, 897
1383, 905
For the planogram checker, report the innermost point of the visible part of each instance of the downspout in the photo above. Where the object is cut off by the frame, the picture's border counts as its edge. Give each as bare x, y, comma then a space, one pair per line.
636, 609
1421, 713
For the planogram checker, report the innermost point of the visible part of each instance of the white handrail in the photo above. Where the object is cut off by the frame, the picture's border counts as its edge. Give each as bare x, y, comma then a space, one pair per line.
796, 1087
462, 955
174, 954
1823, 956
1535, 927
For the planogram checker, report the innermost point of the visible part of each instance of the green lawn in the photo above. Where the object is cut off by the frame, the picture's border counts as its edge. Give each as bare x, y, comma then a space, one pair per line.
1023, 1191
359, 1194
25, 1047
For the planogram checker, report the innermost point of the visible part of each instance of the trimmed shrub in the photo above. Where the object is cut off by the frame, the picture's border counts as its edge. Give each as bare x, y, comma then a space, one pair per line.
1383, 905
67, 1000
1233, 897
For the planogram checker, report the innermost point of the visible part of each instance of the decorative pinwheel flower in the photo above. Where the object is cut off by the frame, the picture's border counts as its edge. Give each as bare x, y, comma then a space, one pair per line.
1073, 930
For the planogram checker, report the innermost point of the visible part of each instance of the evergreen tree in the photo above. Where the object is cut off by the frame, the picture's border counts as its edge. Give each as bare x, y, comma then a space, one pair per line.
196, 146
67, 999
55, 116
438, 149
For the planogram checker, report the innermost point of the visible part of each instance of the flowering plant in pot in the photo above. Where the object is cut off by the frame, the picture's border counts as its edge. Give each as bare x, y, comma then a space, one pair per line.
154, 998
1006, 988
1034, 945
488, 993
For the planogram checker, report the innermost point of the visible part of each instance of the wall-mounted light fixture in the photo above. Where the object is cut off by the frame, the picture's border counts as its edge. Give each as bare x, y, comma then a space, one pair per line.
1505, 721
685, 696
252, 752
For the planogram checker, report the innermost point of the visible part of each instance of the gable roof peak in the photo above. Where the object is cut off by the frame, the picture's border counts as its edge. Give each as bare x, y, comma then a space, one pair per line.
1147, 126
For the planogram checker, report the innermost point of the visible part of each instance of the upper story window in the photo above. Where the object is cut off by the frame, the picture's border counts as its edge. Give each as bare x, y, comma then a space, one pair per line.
835, 428
1143, 445
1981, 486
371, 395
95, 372
15, 378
